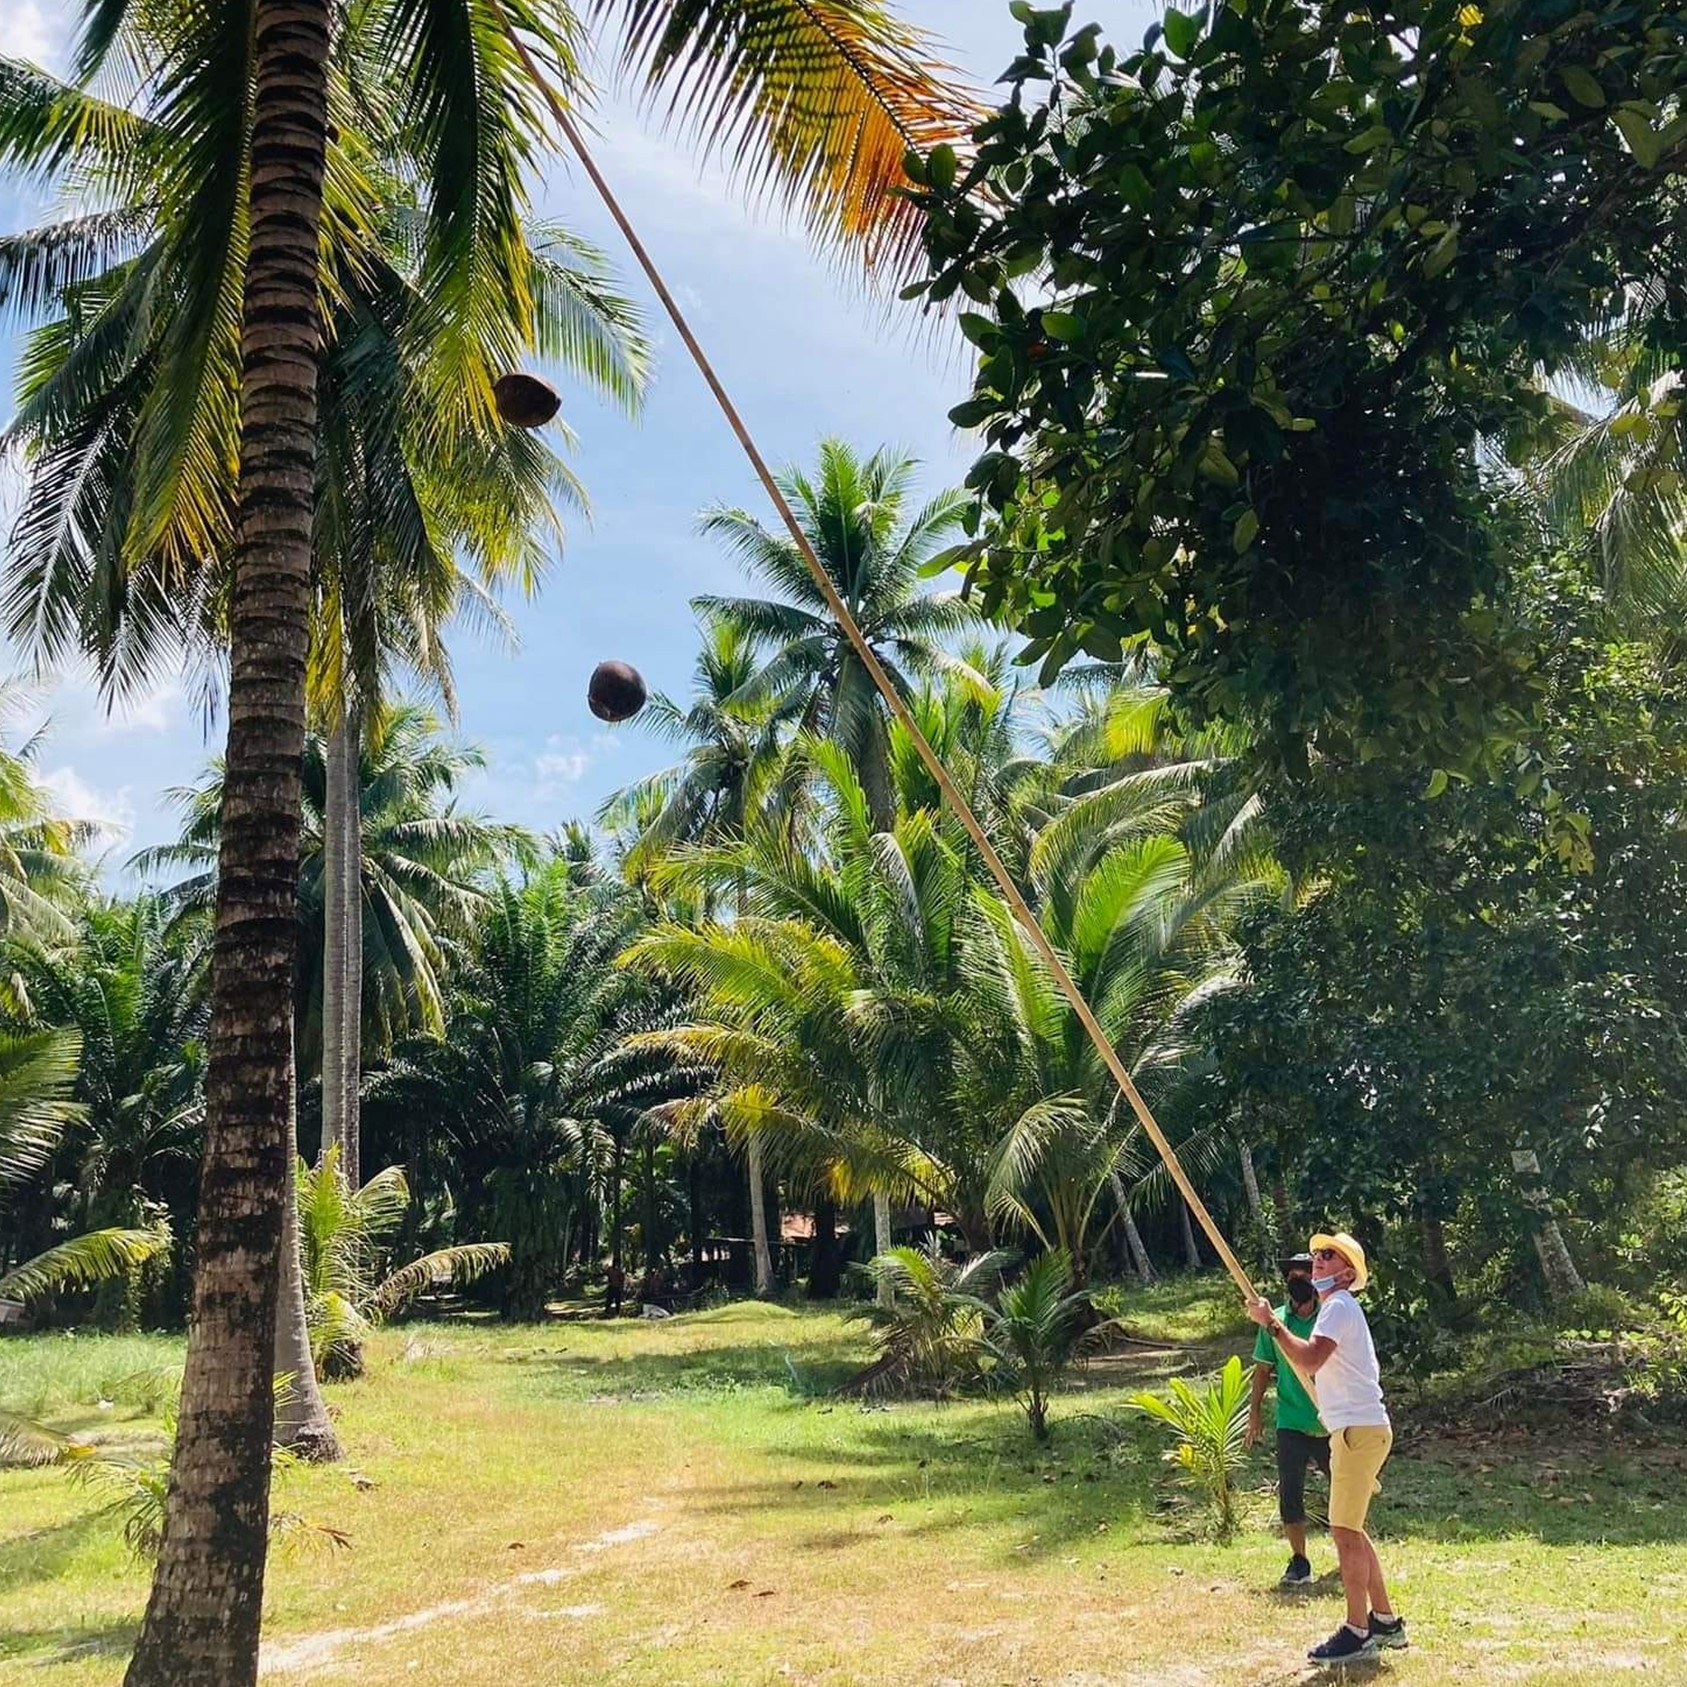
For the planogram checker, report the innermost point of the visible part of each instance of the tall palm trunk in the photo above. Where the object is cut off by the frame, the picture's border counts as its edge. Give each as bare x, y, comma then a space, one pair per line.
202, 1619
1191, 1253
302, 1425
333, 942
757, 1173
881, 1241
758, 1218
1256, 1206
1140, 1262
351, 906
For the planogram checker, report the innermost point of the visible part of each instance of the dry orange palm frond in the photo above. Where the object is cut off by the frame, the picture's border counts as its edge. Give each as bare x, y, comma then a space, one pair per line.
813, 103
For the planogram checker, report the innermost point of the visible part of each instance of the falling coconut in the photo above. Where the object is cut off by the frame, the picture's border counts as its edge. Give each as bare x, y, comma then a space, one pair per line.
617, 691
524, 401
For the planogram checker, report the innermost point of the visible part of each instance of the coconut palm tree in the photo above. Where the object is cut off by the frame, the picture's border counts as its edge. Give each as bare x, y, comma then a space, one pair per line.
856, 515
734, 757
350, 1283
538, 1086
245, 98
1610, 464
824, 1005
420, 859
134, 990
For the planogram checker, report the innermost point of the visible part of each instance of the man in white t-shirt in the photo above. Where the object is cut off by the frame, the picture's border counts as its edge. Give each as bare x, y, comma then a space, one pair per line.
1341, 1358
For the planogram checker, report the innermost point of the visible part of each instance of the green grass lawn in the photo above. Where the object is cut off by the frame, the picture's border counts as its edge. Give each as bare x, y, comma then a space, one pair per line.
660, 1505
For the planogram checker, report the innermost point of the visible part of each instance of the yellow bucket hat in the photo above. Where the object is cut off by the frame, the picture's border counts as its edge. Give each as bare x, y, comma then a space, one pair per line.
1349, 1250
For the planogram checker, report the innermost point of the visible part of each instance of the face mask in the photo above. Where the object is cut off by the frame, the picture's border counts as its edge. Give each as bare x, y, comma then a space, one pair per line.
1301, 1291
1323, 1284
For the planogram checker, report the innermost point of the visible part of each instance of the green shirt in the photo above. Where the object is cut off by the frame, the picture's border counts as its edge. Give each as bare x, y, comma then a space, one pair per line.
1294, 1405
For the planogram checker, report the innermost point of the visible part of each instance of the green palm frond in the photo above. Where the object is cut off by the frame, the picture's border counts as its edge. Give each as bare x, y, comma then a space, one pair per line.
446, 1266
91, 1258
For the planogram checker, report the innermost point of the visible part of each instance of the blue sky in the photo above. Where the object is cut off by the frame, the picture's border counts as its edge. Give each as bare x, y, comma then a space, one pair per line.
805, 355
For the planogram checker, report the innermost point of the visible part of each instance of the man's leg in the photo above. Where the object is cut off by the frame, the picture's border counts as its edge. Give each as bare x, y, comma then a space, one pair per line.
1356, 1457
1355, 1556
1291, 1488
1374, 1582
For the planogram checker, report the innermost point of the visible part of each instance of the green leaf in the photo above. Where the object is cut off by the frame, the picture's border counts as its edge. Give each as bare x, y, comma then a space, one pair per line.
1370, 140
1552, 113
1641, 138
1441, 254
974, 412
1217, 467
1583, 86
1182, 32
1437, 783
1246, 530
977, 328
1062, 325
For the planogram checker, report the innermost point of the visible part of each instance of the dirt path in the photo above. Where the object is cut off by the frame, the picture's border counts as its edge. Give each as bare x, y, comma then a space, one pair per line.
315, 1651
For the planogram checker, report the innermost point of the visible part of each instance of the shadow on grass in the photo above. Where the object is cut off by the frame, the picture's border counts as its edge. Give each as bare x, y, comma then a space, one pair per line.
1102, 1473
46, 1646
803, 1371
45, 1554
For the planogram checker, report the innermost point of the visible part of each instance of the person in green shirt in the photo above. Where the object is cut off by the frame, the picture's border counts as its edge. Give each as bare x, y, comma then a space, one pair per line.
1302, 1439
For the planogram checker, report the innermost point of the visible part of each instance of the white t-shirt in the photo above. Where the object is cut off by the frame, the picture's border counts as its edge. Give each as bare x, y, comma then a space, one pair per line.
1349, 1383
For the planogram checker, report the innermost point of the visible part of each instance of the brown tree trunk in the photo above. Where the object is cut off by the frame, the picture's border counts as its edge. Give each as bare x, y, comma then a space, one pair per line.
202, 1619
351, 901
333, 940
1437, 1267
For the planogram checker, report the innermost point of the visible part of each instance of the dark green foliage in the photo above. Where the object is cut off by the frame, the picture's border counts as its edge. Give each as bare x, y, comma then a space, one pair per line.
1250, 296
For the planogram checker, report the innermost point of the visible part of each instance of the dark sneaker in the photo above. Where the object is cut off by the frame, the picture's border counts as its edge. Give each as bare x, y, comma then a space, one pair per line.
1389, 1631
1344, 1647
1298, 1574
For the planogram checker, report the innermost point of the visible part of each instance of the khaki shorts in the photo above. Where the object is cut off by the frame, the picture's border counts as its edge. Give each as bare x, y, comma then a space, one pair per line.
1357, 1455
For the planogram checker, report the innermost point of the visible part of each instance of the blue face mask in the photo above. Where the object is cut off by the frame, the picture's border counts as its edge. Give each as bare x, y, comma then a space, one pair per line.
1323, 1284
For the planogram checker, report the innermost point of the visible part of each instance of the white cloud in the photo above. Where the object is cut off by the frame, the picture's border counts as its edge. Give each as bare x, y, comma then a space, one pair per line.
565, 761
38, 30
74, 797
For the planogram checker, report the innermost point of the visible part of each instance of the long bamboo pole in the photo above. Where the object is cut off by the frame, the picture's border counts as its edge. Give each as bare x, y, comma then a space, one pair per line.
993, 862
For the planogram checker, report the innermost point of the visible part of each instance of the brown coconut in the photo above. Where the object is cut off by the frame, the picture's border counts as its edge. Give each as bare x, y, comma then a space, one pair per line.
616, 692
524, 401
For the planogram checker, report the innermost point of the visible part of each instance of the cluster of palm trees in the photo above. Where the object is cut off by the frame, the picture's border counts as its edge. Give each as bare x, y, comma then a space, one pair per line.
866, 1010
261, 432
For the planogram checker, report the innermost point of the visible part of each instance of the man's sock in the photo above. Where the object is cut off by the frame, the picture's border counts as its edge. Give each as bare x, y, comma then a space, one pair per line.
1355, 1629
1392, 1620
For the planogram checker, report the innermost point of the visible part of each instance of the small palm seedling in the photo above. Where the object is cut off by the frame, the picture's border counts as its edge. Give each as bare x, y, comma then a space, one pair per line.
1038, 1330
930, 1336
1211, 1436
348, 1289
135, 1484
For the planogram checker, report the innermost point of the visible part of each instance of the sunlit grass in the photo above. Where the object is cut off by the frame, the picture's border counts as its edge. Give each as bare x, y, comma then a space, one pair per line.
679, 1503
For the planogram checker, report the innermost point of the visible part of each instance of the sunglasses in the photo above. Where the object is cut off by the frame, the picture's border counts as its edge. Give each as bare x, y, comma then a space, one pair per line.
1328, 1253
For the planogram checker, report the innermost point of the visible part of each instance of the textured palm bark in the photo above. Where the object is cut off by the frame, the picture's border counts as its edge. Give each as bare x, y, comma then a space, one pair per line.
202, 1619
